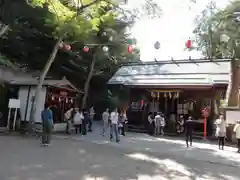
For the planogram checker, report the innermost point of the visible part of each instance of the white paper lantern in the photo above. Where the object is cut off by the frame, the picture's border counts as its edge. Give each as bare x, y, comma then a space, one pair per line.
157, 45
105, 49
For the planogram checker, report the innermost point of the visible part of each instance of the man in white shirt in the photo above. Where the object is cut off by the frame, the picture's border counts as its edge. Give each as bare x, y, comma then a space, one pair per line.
114, 117
159, 124
105, 118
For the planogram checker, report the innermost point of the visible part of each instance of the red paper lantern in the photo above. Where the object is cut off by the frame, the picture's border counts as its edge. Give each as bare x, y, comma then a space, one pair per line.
67, 47
86, 49
188, 44
130, 49
142, 102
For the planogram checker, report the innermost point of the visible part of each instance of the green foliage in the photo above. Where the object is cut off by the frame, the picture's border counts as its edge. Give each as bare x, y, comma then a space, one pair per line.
212, 25
37, 25
5, 61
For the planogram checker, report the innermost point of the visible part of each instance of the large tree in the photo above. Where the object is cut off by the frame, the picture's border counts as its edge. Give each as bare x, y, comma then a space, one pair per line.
218, 35
41, 26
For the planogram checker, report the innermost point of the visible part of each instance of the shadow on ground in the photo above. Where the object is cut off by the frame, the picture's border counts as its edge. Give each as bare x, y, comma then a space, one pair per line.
200, 150
23, 159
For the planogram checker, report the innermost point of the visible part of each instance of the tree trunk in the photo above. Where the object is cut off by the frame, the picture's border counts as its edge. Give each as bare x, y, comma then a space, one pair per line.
3, 30
42, 78
234, 84
87, 83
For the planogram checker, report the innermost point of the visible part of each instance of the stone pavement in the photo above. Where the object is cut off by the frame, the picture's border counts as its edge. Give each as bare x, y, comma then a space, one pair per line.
136, 157
202, 151
22, 158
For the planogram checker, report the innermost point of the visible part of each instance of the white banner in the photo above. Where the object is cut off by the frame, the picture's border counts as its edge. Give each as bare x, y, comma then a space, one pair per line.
232, 117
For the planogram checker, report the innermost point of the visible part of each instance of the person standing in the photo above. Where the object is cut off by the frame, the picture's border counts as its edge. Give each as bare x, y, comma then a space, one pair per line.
162, 123
77, 120
91, 117
114, 117
150, 124
237, 131
67, 117
47, 125
122, 123
189, 130
221, 126
159, 122
105, 118
84, 122
180, 125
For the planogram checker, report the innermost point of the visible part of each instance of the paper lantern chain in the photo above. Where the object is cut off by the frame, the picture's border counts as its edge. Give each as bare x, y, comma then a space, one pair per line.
106, 49
86, 49
60, 99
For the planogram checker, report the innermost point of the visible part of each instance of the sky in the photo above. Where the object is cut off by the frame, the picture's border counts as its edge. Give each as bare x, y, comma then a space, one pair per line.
172, 29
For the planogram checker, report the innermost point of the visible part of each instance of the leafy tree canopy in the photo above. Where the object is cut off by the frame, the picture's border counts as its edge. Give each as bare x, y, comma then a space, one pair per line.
41, 22
218, 31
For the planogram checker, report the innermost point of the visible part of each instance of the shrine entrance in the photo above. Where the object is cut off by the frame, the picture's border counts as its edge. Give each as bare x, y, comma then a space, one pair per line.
172, 103
60, 100
167, 102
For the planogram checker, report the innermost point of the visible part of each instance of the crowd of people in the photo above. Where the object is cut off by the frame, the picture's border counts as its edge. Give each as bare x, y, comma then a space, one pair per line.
116, 123
156, 126
81, 120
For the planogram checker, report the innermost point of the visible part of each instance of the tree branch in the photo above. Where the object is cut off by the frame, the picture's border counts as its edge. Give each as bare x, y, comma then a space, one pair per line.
4, 29
89, 4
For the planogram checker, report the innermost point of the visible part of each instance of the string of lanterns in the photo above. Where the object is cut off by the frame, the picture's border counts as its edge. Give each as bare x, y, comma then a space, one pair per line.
86, 48
61, 98
105, 48
188, 44
171, 95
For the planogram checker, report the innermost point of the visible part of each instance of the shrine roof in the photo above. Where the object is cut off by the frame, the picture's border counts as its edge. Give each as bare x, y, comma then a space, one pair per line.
182, 72
11, 76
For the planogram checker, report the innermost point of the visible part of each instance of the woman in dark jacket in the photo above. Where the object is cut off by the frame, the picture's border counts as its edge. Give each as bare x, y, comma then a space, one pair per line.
150, 124
85, 122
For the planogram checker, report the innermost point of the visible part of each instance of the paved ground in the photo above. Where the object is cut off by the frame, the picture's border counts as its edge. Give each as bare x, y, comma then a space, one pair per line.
92, 157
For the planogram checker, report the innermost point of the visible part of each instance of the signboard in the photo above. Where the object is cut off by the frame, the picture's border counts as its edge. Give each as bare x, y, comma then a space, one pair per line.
232, 117
14, 103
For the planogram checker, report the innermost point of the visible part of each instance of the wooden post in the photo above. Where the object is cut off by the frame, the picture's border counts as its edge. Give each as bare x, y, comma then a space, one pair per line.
205, 127
9, 116
15, 118
205, 113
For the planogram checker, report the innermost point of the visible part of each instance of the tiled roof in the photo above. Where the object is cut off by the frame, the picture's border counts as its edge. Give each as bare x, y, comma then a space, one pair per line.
183, 73
14, 77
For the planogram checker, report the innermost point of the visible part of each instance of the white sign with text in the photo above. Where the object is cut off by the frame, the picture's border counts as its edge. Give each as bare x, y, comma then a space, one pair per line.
232, 116
14, 103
